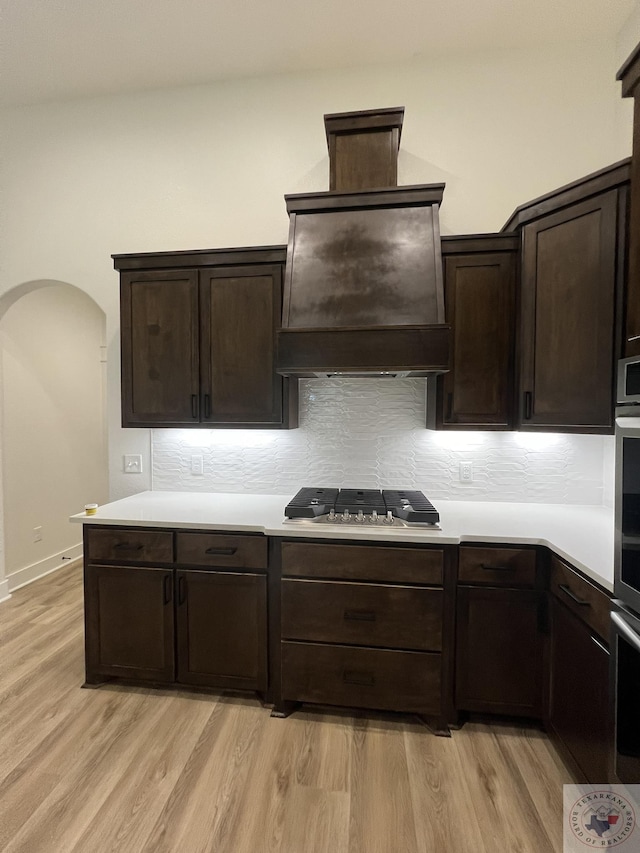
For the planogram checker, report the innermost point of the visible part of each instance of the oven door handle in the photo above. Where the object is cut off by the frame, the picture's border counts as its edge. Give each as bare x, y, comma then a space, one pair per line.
628, 633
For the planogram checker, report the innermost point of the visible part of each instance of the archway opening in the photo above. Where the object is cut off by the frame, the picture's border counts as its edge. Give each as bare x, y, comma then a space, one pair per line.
54, 436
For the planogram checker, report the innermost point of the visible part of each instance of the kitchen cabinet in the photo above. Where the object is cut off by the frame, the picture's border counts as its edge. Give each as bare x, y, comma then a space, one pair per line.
129, 617
629, 74
480, 277
572, 275
199, 618
499, 636
579, 716
198, 339
365, 626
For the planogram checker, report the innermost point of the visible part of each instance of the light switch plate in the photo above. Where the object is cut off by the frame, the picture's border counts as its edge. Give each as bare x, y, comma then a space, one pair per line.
132, 463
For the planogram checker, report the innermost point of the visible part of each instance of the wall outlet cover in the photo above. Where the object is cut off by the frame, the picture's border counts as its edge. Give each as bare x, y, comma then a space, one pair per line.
466, 472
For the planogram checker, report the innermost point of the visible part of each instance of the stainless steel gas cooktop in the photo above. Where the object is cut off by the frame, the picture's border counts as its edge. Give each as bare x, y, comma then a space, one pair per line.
399, 507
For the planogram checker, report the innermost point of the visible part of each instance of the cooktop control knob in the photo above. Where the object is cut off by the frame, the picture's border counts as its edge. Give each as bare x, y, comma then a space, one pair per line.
359, 517
346, 515
332, 515
389, 518
373, 518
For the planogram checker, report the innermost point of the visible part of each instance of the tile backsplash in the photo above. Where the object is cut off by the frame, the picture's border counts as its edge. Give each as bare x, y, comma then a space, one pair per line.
370, 433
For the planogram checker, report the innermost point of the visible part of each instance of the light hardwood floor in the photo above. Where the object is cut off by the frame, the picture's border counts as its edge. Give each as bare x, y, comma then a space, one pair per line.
131, 769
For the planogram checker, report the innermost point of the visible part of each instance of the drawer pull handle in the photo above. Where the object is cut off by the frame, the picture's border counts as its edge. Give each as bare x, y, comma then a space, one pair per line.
581, 601
528, 405
194, 406
125, 546
497, 568
353, 676
207, 406
166, 589
359, 616
220, 552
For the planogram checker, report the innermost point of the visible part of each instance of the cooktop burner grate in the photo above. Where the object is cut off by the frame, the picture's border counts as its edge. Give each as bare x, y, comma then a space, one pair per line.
366, 500
409, 505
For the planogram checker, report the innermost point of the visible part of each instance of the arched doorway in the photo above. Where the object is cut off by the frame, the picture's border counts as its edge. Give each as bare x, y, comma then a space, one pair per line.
54, 438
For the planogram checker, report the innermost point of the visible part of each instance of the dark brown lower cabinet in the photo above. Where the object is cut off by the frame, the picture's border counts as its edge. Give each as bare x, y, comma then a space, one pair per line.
204, 628
349, 637
221, 629
579, 710
358, 677
499, 651
129, 623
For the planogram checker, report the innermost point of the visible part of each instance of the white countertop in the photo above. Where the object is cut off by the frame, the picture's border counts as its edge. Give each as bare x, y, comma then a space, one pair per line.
583, 535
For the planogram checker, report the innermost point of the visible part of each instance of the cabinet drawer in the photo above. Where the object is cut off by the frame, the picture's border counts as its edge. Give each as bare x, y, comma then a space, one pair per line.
363, 562
127, 545
497, 566
361, 678
583, 598
221, 550
398, 617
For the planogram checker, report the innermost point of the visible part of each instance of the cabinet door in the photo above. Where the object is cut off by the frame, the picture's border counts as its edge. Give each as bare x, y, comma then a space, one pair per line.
159, 339
222, 629
479, 304
499, 651
240, 310
129, 622
579, 711
568, 312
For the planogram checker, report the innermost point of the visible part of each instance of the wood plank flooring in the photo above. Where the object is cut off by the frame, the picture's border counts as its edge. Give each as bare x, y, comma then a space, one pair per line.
159, 771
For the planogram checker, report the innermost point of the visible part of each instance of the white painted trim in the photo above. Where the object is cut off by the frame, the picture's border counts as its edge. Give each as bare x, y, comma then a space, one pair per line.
5, 595
32, 573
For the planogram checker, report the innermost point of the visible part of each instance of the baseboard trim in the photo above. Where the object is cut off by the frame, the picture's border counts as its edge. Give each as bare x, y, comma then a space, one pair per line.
38, 570
5, 595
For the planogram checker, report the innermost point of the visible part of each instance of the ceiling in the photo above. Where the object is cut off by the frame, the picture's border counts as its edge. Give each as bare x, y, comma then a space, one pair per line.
63, 49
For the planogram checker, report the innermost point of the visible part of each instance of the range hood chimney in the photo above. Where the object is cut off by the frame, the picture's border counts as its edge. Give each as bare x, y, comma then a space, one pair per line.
363, 293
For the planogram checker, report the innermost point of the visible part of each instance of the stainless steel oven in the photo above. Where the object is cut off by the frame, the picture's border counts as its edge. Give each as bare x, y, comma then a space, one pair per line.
627, 507
625, 660
625, 615
629, 380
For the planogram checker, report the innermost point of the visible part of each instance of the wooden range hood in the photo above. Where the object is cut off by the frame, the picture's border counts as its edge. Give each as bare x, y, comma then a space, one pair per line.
363, 291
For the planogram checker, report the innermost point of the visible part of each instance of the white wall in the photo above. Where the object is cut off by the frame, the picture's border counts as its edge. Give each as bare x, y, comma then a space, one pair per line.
626, 42
208, 166
54, 437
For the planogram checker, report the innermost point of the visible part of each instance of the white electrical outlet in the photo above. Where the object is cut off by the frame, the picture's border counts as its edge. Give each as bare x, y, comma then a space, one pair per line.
197, 465
132, 463
466, 472
37, 534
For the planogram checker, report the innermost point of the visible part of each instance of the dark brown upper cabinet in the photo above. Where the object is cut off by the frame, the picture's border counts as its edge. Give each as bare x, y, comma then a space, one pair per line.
480, 276
572, 276
198, 339
629, 74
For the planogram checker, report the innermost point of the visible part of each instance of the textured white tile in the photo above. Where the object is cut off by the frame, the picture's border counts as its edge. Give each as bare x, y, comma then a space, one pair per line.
370, 433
